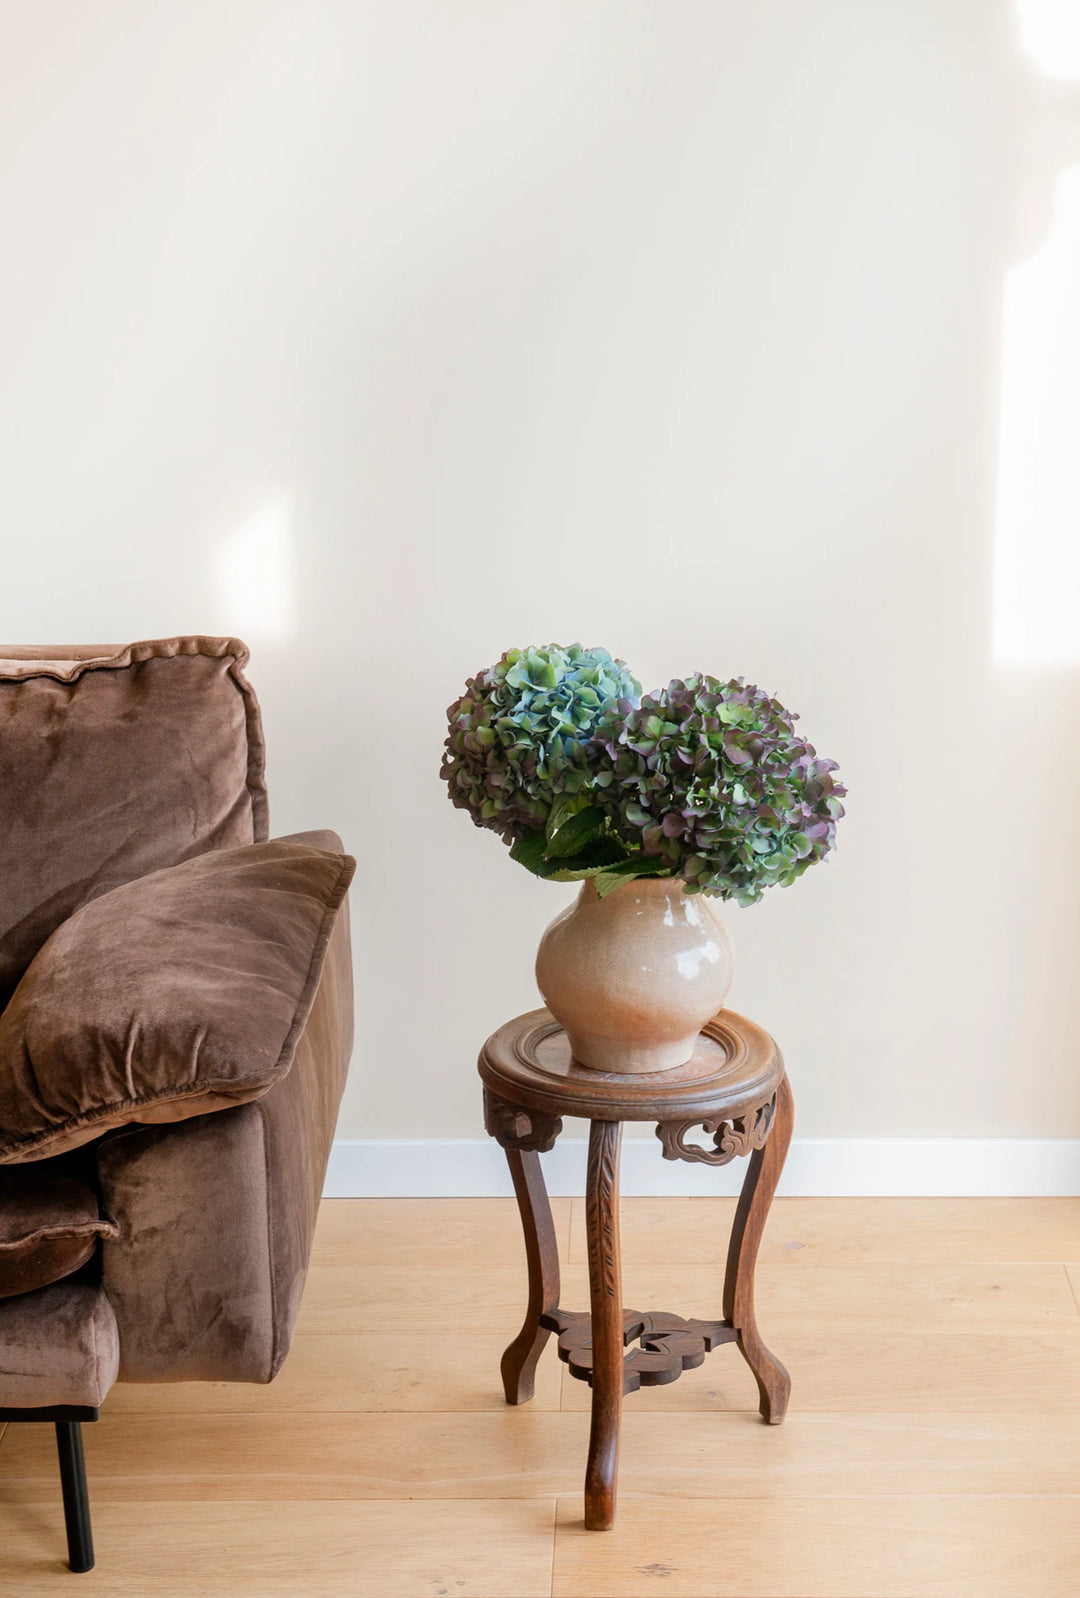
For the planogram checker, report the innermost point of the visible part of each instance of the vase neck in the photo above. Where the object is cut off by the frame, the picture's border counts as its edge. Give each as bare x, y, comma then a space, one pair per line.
641, 887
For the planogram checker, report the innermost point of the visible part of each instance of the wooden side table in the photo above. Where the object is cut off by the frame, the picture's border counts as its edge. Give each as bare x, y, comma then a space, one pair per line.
735, 1089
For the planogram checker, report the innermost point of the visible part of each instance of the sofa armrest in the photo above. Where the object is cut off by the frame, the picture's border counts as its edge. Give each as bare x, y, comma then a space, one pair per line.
216, 1214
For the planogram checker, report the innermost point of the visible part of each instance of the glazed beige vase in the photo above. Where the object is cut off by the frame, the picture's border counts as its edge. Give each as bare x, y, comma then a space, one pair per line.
634, 977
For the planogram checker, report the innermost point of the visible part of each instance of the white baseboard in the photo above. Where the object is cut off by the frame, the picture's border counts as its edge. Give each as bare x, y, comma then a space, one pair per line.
816, 1168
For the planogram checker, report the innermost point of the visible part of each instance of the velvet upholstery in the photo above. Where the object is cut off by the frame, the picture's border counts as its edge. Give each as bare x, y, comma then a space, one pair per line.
49, 1222
210, 1290
182, 992
57, 1346
114, 763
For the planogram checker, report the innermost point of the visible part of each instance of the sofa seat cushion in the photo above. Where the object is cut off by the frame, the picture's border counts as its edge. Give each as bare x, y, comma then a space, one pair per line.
178, 994
49, 1223
113, 763
57, 1346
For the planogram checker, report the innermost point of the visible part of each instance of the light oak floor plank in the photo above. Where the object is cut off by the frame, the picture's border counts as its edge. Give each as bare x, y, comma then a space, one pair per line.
877, 1299
521, 1454
336, 1372
395, 1298
518, 1454
831, 1548
390, 1264
849, 1231
436, 1233
950, 1372
287, 1550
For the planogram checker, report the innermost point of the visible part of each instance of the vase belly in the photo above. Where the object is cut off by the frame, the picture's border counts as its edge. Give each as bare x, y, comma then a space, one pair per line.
633, 977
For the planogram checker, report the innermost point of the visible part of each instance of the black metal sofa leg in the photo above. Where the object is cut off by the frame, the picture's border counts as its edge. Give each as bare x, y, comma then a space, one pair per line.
68, 1419
80, 1541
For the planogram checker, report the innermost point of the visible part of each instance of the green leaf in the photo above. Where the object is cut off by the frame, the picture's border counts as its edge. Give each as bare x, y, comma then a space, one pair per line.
608, 881
564, 873
575, 832
529, 851
562, 809
651, 866
597, 855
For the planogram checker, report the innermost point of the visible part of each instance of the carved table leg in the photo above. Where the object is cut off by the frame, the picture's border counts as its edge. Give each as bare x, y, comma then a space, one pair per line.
519, 1360
774, 1383
605, 1296
524, 1134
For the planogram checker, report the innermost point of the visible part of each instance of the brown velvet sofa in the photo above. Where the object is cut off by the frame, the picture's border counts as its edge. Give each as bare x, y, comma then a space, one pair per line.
159, 1231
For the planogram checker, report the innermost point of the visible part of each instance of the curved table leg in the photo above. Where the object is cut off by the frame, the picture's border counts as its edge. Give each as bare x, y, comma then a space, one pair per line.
605, 1297
774, 1383
520, 1359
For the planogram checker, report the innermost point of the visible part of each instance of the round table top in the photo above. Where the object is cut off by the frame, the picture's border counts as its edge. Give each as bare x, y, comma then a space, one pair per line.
735, 1066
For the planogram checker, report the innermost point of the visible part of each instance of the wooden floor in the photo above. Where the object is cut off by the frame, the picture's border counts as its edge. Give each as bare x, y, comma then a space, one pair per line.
932, 1449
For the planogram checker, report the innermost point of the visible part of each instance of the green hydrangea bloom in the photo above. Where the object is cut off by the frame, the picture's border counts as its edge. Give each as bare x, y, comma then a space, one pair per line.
521, 735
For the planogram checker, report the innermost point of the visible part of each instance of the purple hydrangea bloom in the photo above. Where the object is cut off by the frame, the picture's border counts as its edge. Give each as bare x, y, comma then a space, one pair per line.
711, 778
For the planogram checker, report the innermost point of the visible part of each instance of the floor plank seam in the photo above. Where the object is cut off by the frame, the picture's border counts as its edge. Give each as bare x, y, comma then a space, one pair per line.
1072, 1286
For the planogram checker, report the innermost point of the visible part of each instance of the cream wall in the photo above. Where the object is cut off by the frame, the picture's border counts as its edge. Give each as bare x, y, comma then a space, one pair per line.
389, 334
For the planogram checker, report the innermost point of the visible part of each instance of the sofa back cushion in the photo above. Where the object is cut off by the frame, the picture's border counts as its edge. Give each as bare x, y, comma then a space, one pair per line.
115, 763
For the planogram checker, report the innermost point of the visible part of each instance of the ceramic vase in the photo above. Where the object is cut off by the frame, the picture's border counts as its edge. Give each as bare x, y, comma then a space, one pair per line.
633, 977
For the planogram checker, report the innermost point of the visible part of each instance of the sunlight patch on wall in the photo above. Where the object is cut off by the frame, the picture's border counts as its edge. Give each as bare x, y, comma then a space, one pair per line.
1037, 556
255, 577
1050, 36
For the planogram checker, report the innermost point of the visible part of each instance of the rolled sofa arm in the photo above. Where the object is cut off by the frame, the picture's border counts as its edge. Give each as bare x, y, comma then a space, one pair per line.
216, 1214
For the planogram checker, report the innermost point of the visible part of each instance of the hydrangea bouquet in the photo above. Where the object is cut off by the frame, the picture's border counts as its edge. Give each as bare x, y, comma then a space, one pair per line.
557, 750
